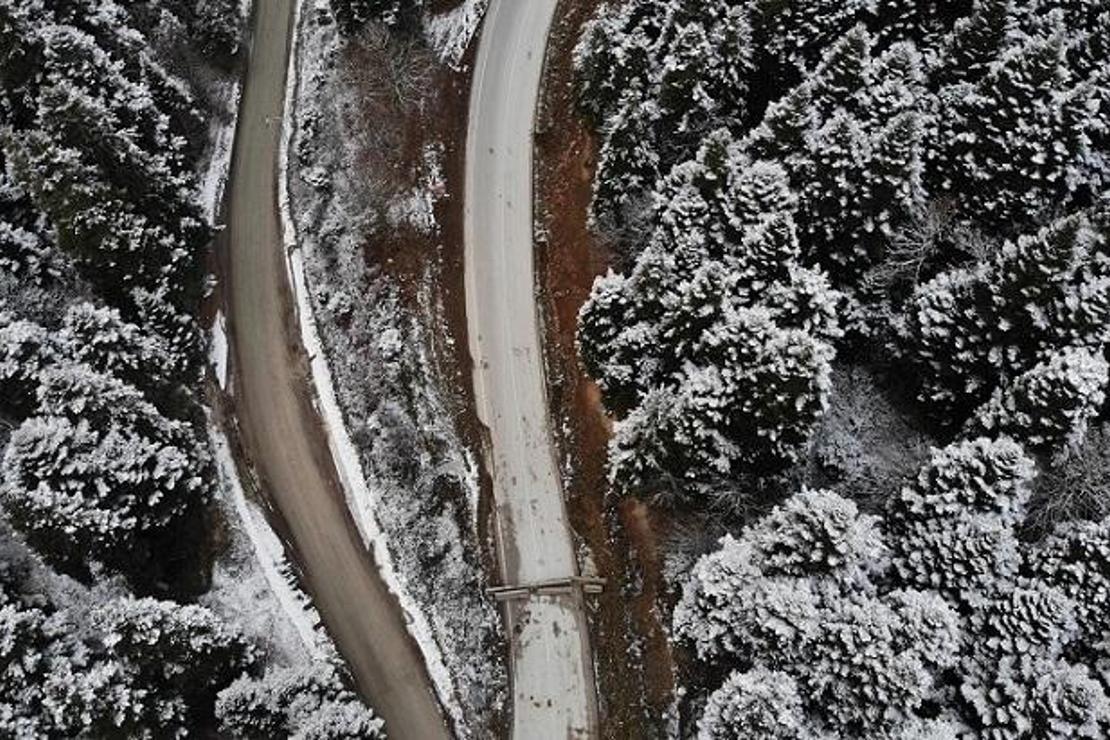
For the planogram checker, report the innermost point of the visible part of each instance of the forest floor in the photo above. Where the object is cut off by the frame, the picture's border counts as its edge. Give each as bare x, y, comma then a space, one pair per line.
622, 540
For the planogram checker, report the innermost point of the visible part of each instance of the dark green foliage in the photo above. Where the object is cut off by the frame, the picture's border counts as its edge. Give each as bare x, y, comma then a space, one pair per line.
217, 26
1037, 296
713, 351
311, 702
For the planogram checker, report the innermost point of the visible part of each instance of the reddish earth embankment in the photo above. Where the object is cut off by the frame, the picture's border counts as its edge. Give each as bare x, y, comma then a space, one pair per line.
635, 670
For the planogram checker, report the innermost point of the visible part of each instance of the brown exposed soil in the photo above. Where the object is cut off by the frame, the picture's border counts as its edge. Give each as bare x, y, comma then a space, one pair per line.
635, 671
431, 265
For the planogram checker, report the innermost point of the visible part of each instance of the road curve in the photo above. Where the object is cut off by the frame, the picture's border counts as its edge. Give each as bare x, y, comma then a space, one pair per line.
283, 436
553, 688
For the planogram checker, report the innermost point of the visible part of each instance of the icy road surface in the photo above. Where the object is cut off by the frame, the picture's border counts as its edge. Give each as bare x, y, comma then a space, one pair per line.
284, 436
553, 688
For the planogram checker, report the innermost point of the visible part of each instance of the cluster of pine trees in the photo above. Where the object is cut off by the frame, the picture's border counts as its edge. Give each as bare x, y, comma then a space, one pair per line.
106, 472
917, 189
929, 619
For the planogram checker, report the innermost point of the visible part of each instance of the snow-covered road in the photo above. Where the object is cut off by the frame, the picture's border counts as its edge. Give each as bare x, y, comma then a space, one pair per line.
551, 665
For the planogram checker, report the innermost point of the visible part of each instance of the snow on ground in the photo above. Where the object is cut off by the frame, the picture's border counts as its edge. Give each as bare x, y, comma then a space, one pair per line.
253, 584
415, 209
370, 499
217, 161
217, 349
411, 484
450, 33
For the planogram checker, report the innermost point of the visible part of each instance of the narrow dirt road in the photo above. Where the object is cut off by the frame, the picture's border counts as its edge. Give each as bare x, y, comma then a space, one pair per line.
552, 673
283, 436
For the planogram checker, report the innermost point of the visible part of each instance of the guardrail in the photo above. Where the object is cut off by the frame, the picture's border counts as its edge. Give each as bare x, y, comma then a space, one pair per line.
589, 584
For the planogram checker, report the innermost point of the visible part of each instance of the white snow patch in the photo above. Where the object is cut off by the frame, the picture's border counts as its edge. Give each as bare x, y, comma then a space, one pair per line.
217, 352
360, 498
416, 208
214, 177
256, 583
449, 33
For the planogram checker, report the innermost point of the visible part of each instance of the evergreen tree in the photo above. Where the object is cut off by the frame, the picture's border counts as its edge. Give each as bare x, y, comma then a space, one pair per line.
307, 702
952, 531
759, 703
795, 32
978, 40
796, 595
26, 351
615, 60
124, 668
1016, 144
716, 346
1038, 295
99, 472
1049, 406
1076, 559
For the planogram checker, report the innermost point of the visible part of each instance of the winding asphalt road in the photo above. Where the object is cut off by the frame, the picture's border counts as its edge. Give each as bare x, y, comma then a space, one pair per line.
553, 686
284, 437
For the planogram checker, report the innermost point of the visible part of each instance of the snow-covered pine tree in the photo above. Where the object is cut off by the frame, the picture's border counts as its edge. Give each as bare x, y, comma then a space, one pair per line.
616, 58
797, 595
977, 40
121, 668
1076, 559
100, 338
1050, 405
794, 33
216, 24
1039, 294
26, 351
1015, 145
756, 703
718, 323
311, 702
99, 472
100, 139
952, 530
179, 656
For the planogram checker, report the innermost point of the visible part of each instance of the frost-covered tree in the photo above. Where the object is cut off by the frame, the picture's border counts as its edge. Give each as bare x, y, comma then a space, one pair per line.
952, 531
1049, 406
100, 338
817, 533
616, 55
99, 138
714, 350
796, 595
1039, 294
655, 78
852, 139
353, 15
181, 655
26, 351
217, 26
122, 668
758, 703
99, 472
977, 40
1076, 559
308, 702
795, 32
1016, 144
960, 635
